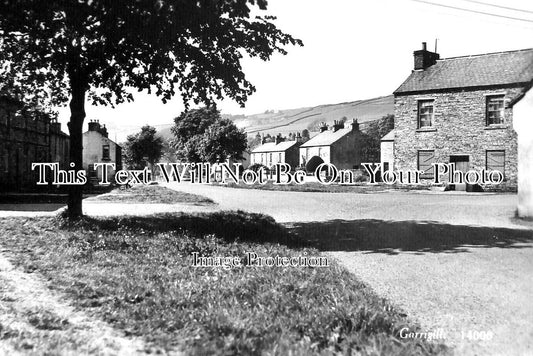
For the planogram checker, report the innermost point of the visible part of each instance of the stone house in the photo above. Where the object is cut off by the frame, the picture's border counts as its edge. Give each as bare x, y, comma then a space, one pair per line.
338, 145
387, 151
457, 110
28, 137
523, 125
98, 148
279, 151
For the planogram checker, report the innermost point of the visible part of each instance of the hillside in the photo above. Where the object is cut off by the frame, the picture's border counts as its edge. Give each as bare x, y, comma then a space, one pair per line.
293, 120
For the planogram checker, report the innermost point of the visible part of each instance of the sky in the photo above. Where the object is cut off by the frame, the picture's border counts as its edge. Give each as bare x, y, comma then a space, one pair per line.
353, 49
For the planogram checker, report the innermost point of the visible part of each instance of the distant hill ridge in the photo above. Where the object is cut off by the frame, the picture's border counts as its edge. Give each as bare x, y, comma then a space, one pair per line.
293, 120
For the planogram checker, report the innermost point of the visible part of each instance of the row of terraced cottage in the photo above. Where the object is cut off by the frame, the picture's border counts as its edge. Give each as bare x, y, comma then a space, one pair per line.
475, 111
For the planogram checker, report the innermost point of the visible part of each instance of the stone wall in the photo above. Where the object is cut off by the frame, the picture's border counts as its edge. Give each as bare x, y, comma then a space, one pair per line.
27, 139
459, 128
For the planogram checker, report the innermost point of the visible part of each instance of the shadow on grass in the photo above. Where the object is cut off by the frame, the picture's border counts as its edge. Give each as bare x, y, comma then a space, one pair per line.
394, 237
227, 225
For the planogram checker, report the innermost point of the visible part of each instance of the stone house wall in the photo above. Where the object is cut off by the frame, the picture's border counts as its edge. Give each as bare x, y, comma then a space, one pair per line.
24, 140
346, 152
93, 143
459, 128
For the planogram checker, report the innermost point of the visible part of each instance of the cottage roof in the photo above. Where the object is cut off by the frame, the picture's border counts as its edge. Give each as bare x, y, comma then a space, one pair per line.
327, 137
273, 147
502, 68
389, 136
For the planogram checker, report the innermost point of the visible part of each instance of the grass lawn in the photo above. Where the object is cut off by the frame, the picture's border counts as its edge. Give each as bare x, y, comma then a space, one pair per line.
136, 274
151, 194
332, 188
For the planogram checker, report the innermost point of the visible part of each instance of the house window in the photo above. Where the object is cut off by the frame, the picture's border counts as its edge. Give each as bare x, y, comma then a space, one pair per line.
495, 109
425, 163
425, 113
262, 158
279, 157
496, 161
105, 152
320, 152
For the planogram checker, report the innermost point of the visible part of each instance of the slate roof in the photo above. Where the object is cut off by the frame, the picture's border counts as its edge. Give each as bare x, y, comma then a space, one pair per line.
272, 147
327, 137
502, 68
389, 136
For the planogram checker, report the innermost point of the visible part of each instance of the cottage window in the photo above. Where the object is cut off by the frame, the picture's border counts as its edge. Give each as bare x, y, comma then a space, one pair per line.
279, 157
425, 163
105, 152
496, 161
495, 109
425, 113
262, 158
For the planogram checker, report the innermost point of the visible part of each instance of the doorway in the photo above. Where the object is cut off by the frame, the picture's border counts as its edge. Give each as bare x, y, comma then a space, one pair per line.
462, 163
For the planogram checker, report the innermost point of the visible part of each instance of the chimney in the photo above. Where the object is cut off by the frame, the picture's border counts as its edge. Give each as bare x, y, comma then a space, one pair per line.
355, 125
299, 138
103, 131
337, 124
94, 125
55, 126
278, 139
263, 140
424, 58
323, 127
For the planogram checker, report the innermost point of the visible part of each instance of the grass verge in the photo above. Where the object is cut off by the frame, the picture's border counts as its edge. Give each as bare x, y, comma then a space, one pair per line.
151, 194
136, 274
332, 188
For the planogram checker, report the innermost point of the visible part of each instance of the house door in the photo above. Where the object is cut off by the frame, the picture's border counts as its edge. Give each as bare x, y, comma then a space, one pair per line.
462, 163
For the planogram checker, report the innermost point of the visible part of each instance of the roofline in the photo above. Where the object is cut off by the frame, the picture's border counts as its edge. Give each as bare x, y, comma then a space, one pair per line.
329, 144
469, 88
521, 95
324, 145
280, 150
486, 54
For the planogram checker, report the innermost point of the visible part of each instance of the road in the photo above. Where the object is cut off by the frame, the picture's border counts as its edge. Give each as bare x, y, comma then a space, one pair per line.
456, 262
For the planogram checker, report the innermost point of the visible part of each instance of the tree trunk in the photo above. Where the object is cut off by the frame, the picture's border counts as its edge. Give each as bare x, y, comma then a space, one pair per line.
75, 126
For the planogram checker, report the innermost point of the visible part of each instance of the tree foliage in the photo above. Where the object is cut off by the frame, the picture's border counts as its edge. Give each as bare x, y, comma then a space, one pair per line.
144, 146
373, 132
202, 135
104, 50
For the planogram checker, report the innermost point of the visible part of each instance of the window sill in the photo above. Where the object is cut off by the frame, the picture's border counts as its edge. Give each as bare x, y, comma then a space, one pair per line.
496, 127
426, 129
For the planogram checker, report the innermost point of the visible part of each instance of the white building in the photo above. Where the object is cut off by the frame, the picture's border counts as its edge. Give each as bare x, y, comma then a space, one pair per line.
279, 151
523, 125
387, 151
98, 148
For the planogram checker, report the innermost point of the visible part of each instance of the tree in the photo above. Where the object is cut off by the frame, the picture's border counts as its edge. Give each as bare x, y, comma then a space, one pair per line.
103, 50
305, 135
254, 141
143, 146
202, 135
372, 134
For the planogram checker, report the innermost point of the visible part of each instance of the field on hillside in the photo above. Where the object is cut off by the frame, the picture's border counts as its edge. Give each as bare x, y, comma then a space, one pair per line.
293, 120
